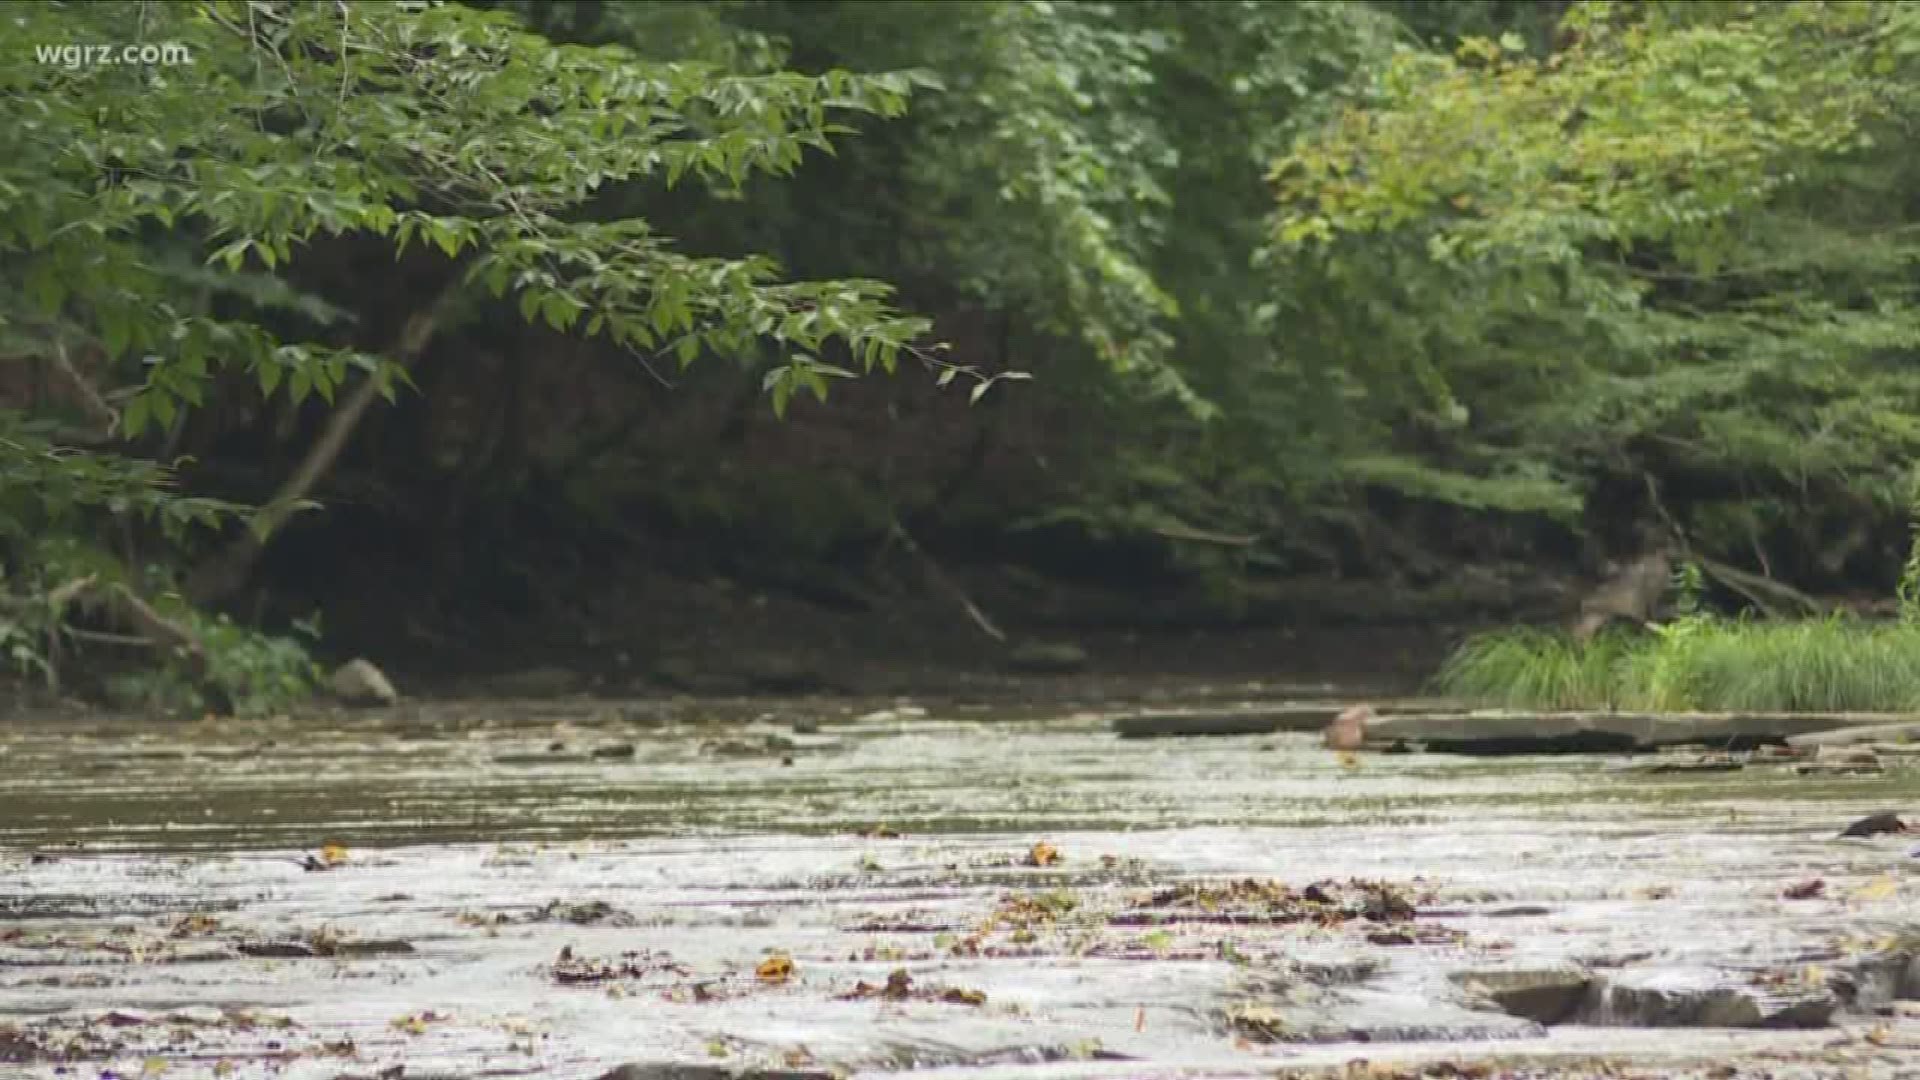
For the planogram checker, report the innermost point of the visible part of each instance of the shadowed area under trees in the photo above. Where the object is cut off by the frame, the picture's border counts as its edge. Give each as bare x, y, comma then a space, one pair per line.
650, 339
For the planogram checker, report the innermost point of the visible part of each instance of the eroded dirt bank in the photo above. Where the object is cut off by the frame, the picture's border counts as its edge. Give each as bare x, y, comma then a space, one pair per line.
557, 890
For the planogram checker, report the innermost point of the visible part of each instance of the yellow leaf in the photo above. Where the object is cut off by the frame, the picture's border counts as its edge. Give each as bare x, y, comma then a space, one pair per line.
1880, 888
333, 854
153, 1066
1043, 854
1349, 760
774, 969
416, 1023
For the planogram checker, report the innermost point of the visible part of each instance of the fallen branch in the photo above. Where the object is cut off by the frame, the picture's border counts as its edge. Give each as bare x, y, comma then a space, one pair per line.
1187, 532
1763, 591
126, 607
939, 576
62, 596
123, 607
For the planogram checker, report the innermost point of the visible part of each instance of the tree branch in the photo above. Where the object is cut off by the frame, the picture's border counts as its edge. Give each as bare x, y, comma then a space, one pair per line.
223, 574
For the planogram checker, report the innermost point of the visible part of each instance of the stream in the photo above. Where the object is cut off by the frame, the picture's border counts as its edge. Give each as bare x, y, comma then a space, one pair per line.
813, 889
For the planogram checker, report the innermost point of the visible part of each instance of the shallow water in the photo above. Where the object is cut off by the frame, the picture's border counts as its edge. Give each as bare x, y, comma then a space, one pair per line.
716, 849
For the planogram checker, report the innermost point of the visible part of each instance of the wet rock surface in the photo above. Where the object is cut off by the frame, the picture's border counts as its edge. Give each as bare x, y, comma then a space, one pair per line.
1545, 996
927, 889
1517, 733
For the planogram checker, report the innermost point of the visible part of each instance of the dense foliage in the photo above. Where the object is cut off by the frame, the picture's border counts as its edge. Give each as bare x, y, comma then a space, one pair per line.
1676, 251
1319, 288
156, 218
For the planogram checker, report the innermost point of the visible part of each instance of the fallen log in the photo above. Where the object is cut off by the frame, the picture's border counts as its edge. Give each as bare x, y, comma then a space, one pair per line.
1258, 718
1443, 728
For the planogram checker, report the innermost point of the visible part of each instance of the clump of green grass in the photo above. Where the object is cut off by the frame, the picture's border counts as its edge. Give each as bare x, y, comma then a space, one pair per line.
1697, 663
1534, 669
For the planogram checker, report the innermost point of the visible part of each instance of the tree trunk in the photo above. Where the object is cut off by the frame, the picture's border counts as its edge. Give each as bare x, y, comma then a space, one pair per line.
220, 576
1633, 594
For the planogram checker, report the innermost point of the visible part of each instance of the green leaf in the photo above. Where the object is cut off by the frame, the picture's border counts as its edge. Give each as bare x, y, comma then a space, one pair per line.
133, 419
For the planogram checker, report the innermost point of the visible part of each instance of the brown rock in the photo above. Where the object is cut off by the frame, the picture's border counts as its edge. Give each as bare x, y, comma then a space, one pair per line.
1349, 730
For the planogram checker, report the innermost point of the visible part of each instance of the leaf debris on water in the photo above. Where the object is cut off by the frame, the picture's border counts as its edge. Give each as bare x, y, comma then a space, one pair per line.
777, 968
1042, 854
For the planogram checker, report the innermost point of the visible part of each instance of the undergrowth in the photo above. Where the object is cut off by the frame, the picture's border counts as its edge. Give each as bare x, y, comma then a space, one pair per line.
1698, 662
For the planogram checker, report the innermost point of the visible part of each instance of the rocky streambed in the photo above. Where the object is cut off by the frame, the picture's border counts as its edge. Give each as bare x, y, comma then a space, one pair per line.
815, 889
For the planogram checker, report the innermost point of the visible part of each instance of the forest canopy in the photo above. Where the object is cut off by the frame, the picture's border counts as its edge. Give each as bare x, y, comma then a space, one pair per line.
1275, 290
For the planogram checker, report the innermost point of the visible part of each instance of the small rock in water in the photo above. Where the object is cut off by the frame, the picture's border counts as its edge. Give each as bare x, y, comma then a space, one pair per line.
358, 682
1876, 824
588, 913
1348, 731
1810, 889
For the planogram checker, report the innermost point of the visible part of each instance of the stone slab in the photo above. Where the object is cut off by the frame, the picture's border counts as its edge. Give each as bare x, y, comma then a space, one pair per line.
1502, 732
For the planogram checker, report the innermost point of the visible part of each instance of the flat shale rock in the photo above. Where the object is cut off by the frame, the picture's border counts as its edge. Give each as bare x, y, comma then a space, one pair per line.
1255, 718
1658, 998
1363, 1016
1906, 731
1500, 732
1546, 996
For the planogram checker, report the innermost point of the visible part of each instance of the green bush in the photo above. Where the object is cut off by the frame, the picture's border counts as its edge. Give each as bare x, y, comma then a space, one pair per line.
247, 673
